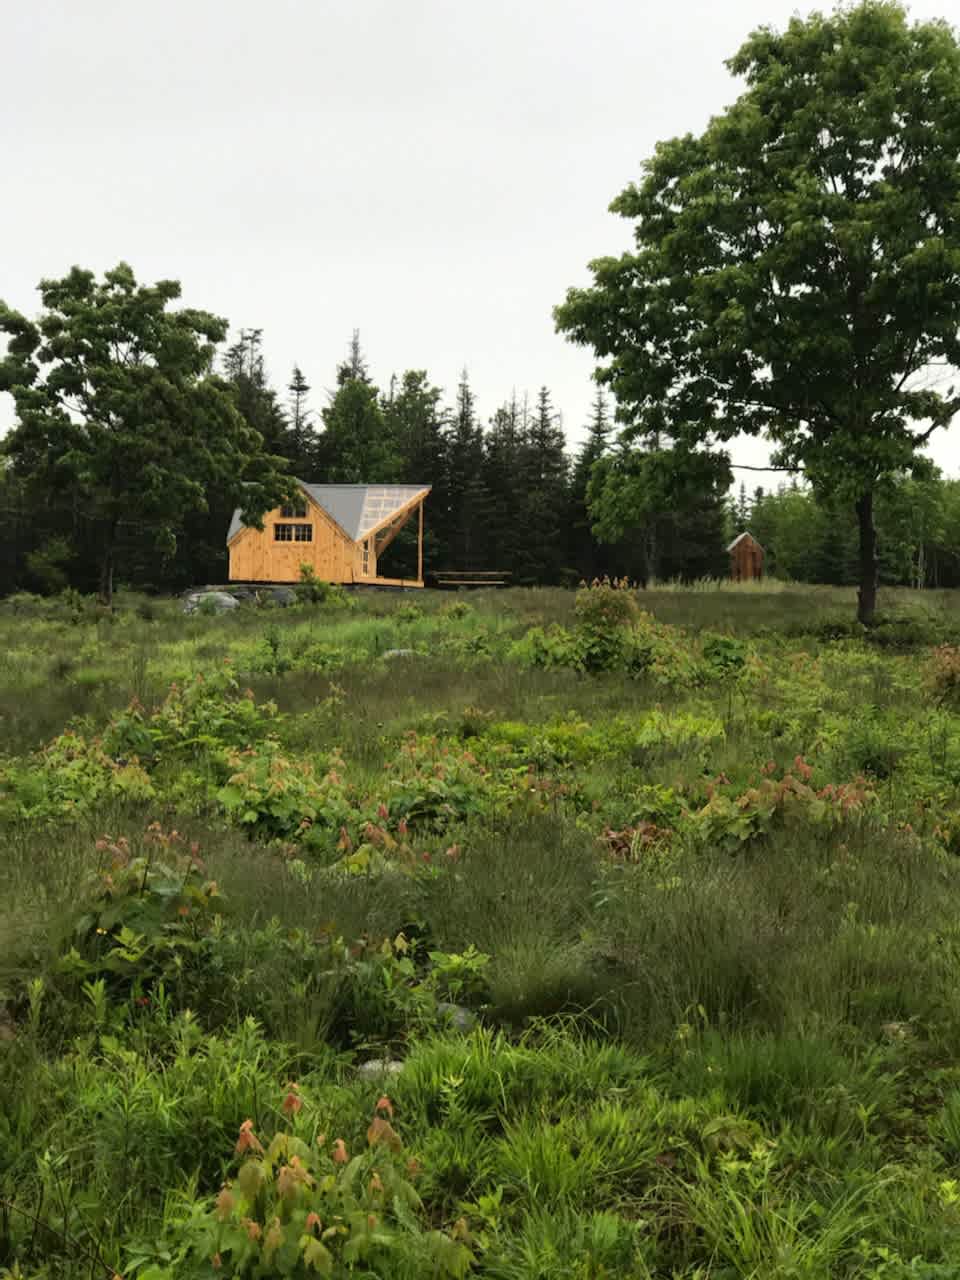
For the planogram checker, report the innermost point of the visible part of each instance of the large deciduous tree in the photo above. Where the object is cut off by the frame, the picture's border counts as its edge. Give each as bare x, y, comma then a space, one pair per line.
120, 415
669, 501
797, 266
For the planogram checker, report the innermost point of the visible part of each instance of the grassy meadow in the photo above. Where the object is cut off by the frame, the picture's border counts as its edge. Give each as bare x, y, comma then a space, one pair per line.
593, 935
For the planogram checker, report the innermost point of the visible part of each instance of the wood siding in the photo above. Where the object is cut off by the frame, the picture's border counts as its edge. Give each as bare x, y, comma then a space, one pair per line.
258, 557
746, 560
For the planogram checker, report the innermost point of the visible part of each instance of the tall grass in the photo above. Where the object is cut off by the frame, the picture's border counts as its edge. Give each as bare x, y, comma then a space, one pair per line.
710, 1058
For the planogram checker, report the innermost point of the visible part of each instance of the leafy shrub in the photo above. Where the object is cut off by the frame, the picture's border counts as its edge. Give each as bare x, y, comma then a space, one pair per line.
432, 783
313, 590
203, 717
942, 674
150, 917
47, 563
72, 776
275, 795
605, 605
604, 613
549, 647
456, 609
730, 819
320, 656
297, 1208
611, 634
724, 655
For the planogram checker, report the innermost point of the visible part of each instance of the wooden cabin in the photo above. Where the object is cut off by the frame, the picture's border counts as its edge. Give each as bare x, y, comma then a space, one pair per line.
339, 530
746, 558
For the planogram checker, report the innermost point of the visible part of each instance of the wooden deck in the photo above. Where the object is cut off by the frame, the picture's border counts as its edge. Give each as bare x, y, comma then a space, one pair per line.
251, 584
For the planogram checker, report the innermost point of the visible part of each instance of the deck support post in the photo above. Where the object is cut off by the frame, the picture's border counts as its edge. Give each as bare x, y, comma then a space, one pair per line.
420, 548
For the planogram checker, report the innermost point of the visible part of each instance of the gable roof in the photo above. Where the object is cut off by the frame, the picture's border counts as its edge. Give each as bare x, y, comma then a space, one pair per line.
740, 537
356, 508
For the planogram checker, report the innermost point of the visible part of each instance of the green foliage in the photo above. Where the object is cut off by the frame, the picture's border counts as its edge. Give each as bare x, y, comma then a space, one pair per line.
298, 1211
150, 917
656, 965
756, 278
670, 501
612, 635
355, 437
46, 564
201, 717
311, 590
72, 776
116, 406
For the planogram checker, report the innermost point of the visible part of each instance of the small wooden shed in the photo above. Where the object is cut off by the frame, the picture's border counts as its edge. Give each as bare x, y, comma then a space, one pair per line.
746, 558
339, 530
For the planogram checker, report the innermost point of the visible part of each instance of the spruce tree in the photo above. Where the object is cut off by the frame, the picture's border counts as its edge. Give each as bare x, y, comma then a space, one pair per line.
590, 559
544, 469
258, 403
355, 447
468, 492
302, 436
419, 427
506, 522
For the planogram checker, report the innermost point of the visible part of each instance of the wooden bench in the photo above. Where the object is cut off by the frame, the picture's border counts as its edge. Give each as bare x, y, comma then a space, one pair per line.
471, 578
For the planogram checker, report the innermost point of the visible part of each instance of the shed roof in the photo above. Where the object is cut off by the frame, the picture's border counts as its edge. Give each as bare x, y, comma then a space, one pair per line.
356, 508
740, 537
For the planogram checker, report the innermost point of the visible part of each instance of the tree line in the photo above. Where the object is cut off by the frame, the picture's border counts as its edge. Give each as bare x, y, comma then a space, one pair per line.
507, 495
814, 538
795, 275
139, 430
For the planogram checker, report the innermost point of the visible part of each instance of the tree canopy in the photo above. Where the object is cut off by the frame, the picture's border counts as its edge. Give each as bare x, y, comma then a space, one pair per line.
120, 415
796, 270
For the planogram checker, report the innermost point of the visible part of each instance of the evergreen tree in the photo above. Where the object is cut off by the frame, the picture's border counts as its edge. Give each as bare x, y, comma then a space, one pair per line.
355, 447
418, 425
303, 443
544, 469
743, 508
591, 559
506, 520
354, 368
258, 403
468, 492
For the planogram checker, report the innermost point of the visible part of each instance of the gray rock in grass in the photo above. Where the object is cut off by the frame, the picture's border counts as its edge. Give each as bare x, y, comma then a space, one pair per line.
215, 601
457, 1015
377, 1068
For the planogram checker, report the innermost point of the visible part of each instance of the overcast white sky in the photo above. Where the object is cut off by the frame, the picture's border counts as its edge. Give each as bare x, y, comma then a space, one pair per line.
432, 172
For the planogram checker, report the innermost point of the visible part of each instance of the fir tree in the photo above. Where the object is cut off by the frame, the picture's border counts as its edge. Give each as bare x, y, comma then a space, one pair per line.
544, 469
506, 522
468, 491
244, 369
302, 435
419, 427
590, 558
355, 447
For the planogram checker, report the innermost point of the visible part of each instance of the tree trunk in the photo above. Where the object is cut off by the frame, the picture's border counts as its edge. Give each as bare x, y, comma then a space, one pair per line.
867, 593
105, 593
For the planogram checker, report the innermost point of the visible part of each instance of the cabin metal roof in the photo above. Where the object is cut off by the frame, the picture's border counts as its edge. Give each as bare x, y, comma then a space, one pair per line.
356, 508
740, 537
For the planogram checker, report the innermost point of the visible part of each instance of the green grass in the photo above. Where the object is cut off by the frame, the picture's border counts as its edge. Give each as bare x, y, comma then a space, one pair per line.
704, 917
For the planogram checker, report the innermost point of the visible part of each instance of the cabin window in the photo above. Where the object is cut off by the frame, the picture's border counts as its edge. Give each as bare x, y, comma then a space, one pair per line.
293, 533
366, 557
295, 510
